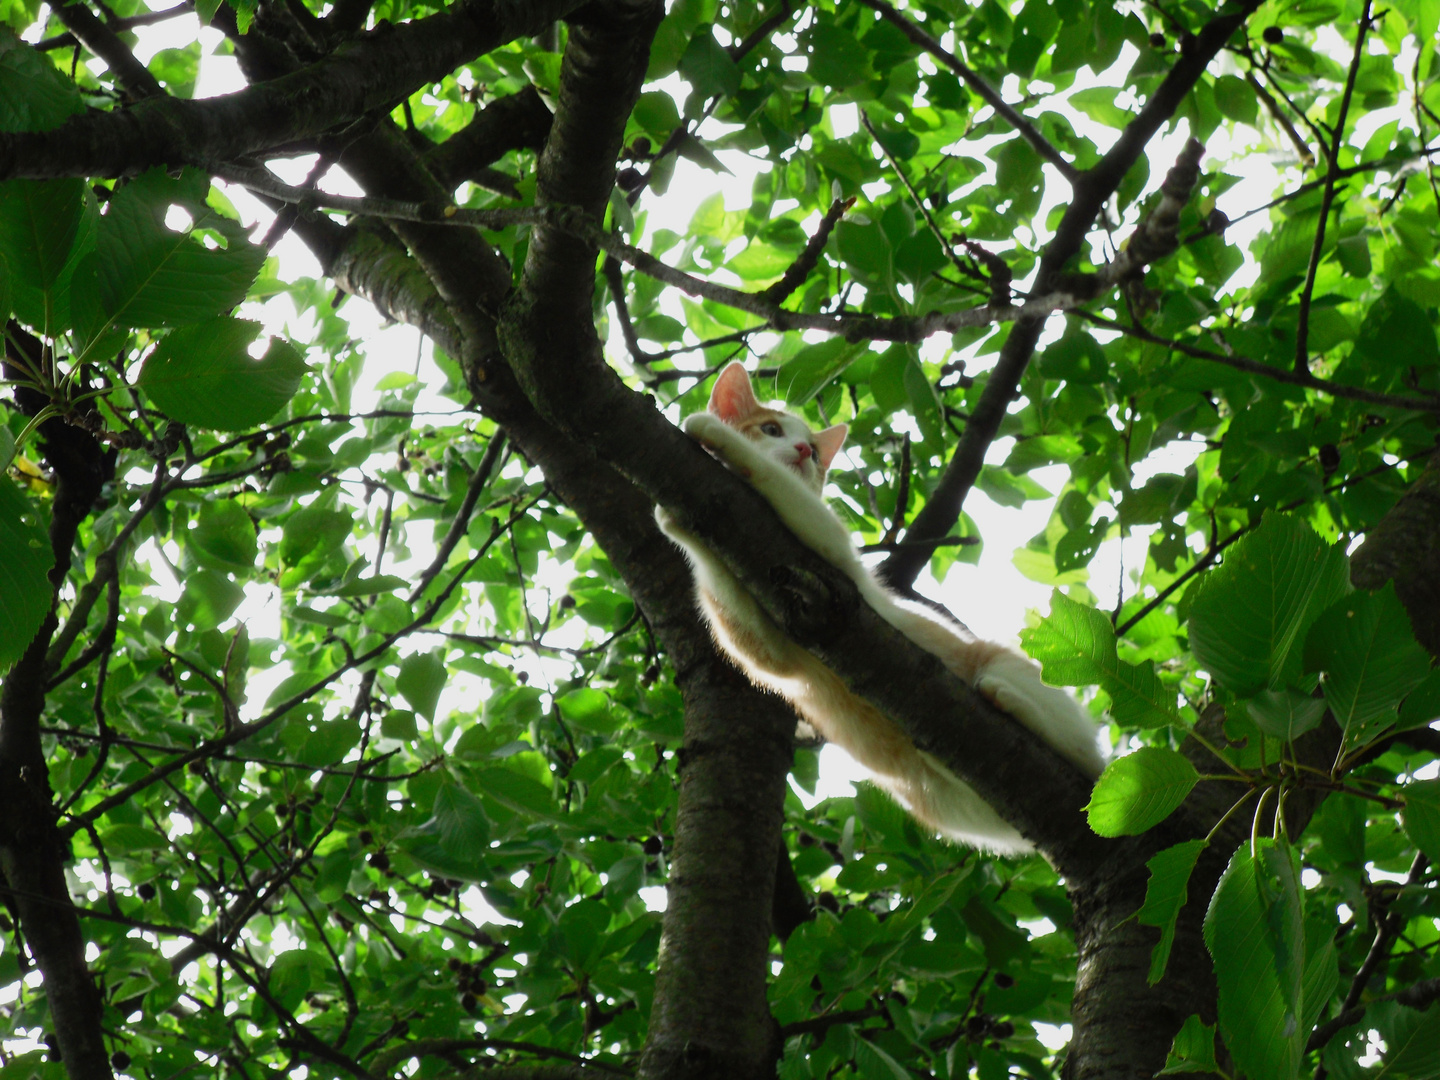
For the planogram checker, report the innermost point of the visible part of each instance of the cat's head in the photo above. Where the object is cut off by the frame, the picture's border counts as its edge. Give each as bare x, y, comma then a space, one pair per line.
781, 435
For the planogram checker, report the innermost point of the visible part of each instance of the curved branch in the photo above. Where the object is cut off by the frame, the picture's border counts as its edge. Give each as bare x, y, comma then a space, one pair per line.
365, 76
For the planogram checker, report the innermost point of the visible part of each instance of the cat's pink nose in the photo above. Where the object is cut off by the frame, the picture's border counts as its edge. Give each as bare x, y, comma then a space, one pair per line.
803, 449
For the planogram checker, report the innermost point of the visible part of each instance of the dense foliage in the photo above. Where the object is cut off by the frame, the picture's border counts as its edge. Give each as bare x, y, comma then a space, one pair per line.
349, 720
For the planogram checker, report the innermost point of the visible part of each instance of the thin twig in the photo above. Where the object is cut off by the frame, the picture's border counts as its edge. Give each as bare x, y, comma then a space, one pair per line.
1317, 249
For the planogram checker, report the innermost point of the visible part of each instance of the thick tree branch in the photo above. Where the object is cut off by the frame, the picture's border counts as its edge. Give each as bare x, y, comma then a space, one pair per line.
365, 76
519, 121
103, 42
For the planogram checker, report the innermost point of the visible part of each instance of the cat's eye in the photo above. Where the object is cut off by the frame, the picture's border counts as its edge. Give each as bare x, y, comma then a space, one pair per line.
771, 428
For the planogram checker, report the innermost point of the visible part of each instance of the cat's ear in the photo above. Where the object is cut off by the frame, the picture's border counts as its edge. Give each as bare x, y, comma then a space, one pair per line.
732, 399
829, 442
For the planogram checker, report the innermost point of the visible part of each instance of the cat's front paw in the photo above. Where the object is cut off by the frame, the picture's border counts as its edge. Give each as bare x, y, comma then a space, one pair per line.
705, 428
717, 437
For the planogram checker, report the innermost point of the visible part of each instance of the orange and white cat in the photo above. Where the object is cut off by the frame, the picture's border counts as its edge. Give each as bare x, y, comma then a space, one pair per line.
786, 462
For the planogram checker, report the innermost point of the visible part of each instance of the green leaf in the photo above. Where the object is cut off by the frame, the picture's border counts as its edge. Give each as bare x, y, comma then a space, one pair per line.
1412, 1041
1421, 815
209, 599
224, 536
464, 828
369, 586
1285, 713
400, 724
1099, 105
1422, 704
290, 977
421, 679
836, 58
518, 792
707, 67
330, 742
1396, 332
310, 536
204, 375
150, 275
25, 590
807, 372
1248, 622
1235, 99
34, 96
1371, 660
1139, 791
39, 223
1165, 895
1075, 646
1193, 1049
1255, 932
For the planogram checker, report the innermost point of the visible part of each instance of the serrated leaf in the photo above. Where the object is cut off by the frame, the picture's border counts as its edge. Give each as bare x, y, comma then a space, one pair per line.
39, 223
1285, 713
1249, 619
1075, 645
33, 95
707, 67
1139, 791
803, 376
204, 375
1421, 815
1193, 1049
1254, 930
1165, 895
150, 275
25, 591
1370, 659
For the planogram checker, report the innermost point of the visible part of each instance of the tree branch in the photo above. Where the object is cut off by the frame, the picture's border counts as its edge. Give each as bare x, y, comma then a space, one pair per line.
1091, 189
368, 75
1302, 331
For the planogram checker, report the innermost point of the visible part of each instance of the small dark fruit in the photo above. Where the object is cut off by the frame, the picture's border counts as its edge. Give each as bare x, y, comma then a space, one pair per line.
367, 837
641, 146
468, 1002
146, 891
120, 1059
522, 677
1157, 41
1003, 981
453, 963
629, 179
1003, 1030
567, 602
1273, 35
653, 846
1329, 458
977, 1024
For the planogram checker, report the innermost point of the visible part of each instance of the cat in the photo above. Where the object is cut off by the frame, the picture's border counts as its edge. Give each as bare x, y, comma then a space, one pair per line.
786, 462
